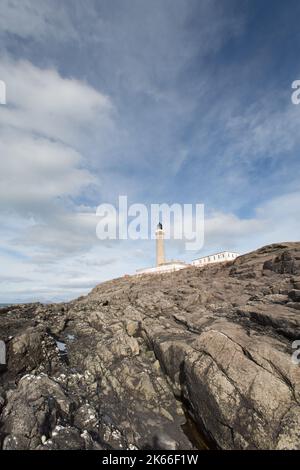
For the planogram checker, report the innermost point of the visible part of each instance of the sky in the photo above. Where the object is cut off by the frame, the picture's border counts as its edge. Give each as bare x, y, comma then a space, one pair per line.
168, 101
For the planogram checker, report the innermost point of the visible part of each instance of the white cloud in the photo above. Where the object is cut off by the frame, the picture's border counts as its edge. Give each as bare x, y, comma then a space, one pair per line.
263, 130
277, 220
45, 120
38, 19
43, 175
34, 171
42, 102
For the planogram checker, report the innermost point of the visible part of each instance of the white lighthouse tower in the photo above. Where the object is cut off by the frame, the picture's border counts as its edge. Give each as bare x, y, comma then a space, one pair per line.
160, 250
162, 266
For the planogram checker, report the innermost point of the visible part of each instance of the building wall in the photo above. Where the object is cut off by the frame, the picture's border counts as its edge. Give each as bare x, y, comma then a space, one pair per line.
165, 268
216, 258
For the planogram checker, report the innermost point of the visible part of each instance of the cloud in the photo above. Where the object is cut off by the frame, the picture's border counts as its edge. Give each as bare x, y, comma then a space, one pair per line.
44, 174
42, 102
264, 130
35, 171
64, 235
44, 123
4, 279
39, 19
276, 220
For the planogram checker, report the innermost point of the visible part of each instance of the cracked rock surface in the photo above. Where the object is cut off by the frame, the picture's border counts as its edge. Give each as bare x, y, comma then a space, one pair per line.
127, 365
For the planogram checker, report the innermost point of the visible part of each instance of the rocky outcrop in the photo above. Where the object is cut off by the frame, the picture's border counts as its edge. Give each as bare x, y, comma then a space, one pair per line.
200, 357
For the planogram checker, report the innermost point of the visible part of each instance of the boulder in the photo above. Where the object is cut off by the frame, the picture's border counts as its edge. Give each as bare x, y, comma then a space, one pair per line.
294, 294
32, 411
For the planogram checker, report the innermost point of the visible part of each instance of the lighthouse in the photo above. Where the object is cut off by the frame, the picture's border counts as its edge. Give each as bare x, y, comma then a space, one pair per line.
160, 251
162, 266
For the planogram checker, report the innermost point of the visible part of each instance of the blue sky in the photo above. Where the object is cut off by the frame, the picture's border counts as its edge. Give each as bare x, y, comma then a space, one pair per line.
183, 101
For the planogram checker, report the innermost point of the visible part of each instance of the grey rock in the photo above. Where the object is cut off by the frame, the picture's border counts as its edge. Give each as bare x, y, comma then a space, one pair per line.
143, 352
32, 410
295, 305
294, 294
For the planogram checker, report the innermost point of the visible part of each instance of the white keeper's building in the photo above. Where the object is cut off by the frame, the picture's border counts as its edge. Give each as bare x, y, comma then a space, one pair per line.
216, 258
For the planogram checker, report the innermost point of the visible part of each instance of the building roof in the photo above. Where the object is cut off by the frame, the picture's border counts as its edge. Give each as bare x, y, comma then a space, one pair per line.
174, 261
